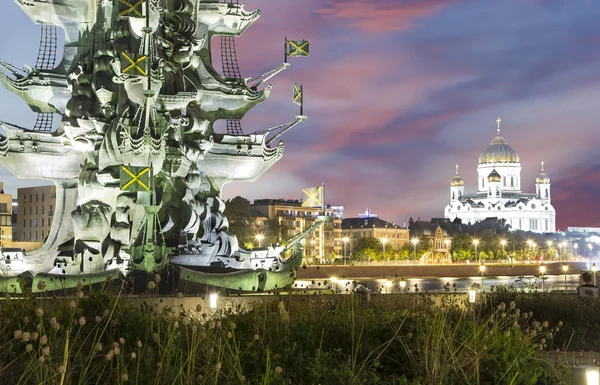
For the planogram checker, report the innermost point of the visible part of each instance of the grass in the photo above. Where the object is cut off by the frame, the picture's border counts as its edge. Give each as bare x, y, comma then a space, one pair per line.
101, 338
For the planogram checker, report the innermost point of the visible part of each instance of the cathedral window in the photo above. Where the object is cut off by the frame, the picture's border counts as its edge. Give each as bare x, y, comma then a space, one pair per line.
452, 195
547, 193
512, 181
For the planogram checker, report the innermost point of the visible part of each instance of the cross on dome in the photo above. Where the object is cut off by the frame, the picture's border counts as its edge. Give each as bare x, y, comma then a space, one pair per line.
498, 122
542, 163
457, 169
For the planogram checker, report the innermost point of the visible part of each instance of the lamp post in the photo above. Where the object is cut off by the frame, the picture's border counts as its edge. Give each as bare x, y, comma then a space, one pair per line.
503, 243
543, 271
482, 270
383, 242
402, 285
415, 241
564, 269
345, 240
259, 238
594, 270
334, 284
475, 243
388, 286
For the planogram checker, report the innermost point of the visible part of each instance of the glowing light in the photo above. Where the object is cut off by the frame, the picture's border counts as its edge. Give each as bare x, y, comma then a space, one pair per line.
414, 241
402, 284
503, 242
388, 283
333, 279
472, 296
213, 297
565, 268
482, 268
542, 269
592, 377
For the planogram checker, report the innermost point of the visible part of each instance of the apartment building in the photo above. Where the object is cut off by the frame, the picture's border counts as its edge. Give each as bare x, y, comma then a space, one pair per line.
295, 218
5, 218
35, 212
372, 227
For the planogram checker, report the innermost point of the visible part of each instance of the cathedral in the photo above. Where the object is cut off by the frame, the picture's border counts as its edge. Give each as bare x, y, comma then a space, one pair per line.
499, 193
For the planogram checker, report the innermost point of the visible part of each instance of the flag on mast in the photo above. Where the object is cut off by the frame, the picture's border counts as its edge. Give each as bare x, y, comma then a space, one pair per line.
313, 196
298, 94
297, 48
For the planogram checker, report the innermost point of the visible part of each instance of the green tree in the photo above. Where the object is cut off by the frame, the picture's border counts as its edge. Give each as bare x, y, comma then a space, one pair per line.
366, 249
276, 231
239, 214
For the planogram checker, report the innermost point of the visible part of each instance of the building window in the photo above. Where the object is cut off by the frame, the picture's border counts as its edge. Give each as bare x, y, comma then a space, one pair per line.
512, 181
42, 197
30, 198
4, 207
36, 200
50, 210
36, 224
43, 234
42, 222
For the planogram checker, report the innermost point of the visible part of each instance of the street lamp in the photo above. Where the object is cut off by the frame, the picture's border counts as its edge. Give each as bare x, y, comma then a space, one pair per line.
383, 242
414, 242
402, 284
594, 270
482, 270
503, 243
259, 238
334, 284
564, 269
543, 271
475, 243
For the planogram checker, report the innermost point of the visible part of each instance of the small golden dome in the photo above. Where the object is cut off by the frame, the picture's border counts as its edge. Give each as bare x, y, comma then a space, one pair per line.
457, 180
494, 176
542, 178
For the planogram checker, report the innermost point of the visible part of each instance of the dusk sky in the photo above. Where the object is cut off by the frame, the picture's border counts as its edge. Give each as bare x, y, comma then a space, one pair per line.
397, 92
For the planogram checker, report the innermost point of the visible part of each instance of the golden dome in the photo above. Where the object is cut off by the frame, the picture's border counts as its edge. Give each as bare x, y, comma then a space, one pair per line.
457, 180
542, 178
499, 152
494, 176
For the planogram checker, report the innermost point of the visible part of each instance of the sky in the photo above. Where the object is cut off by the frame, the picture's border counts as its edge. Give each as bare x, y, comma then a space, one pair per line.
397, 92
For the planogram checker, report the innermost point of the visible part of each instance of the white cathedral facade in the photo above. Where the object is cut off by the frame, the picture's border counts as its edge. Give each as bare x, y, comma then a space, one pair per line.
499, 193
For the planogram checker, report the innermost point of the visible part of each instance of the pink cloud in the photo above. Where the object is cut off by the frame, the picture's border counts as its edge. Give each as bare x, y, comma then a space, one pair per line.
378, 16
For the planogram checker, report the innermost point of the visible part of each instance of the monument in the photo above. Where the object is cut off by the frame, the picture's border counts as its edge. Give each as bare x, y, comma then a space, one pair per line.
137, 164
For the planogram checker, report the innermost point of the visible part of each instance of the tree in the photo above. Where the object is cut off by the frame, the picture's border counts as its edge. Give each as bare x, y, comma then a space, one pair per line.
366, 249
238, 212
276, 231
